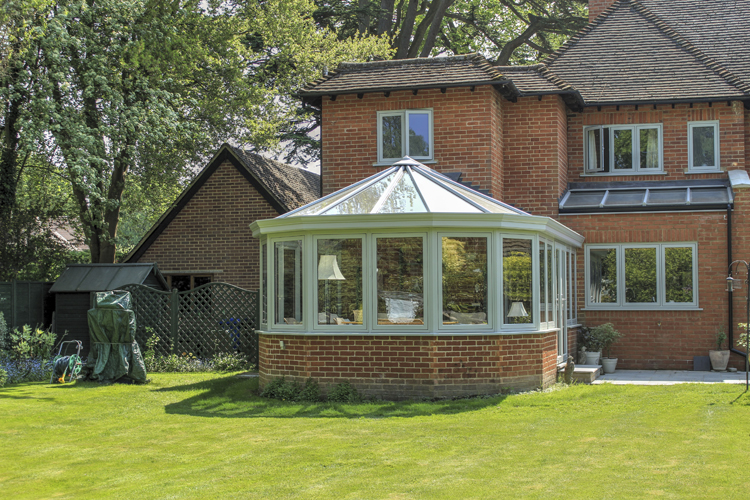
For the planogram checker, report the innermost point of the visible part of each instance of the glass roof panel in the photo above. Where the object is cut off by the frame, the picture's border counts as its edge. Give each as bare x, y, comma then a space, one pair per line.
439, 199
404, 198
626, 198
578, 199
365, 201
320, 205
709, 195
667, 197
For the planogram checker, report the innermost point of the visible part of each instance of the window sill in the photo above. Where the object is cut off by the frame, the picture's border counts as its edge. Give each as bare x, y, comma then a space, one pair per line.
644, 308
707, 171
622, 174
386, 164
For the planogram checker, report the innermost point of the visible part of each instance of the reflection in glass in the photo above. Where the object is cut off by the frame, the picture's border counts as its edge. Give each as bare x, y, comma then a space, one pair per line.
464, 280
703, 147
365, 201
517, 281
640, 275
403, 198
439, 199
595, 150
419, 134
550, 284
391, 134
678, 270
400, 278
287, 267
340, 282
264, 283
603, 275
649, 146
542, 283
623, 141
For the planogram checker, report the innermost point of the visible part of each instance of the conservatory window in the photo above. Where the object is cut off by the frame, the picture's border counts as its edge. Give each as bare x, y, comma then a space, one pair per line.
517, 281
572, 313
703, 146
404, 133
464, 279
287, 267
400, 280
339, 274
264, 283
642, 275
623, 149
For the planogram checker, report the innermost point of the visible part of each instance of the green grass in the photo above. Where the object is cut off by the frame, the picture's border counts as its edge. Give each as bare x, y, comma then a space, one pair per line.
210, 436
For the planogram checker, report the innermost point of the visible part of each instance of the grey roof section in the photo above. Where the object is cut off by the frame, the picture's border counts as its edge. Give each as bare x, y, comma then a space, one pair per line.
403, 74
291, 186
661, 196
631, 54
102, 277
534, 79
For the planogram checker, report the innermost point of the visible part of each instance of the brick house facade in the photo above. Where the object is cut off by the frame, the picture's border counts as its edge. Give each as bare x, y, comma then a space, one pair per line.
636, 86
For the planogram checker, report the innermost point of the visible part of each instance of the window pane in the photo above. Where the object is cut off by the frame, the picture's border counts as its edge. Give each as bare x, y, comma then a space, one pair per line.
623, 140
678, 271
392, 137
594, 150
542, 282
403, 198
517, 281
340, 282
571, 286
364, 201
419, 134
464, 281
264, 283
703, 147
550, 284
603, 276
640, 275
400, 281
288, 279
649, 145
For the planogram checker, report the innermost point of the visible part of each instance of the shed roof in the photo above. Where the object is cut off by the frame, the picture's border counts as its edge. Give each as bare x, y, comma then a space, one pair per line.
102, 277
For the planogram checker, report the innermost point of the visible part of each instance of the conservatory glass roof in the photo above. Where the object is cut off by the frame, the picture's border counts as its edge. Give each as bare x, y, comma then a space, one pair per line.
406, 187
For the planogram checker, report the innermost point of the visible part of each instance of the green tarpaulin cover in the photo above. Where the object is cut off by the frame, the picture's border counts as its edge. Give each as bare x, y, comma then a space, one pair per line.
114, 354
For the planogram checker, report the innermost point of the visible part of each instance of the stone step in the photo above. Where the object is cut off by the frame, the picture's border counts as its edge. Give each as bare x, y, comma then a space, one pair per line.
584, 374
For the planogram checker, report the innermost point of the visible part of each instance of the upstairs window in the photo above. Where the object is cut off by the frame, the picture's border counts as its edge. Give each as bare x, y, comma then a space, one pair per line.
404, 133
623, 149
703, 146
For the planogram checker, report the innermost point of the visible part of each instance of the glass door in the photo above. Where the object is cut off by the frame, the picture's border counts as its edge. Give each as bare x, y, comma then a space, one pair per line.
561, 299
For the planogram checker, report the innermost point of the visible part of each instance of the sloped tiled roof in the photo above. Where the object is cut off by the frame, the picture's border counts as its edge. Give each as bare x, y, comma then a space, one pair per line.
534, 79
284, 186
631, 54
400, 74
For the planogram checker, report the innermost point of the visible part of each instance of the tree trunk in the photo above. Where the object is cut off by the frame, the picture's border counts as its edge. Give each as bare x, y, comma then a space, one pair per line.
435, 26
9, 156
402, 45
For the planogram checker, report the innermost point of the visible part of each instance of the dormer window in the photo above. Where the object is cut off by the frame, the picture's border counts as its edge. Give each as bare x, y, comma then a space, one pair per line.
405, 132
623, 149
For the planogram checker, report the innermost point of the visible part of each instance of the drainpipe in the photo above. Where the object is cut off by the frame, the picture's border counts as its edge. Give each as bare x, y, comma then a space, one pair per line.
729, 263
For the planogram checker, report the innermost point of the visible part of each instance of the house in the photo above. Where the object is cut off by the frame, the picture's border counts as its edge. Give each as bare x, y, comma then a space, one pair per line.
635, 135
204, 237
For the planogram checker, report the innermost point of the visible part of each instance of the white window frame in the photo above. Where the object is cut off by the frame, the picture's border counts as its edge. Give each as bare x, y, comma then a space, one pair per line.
272, 278
708, 168
500, 301
661, 303
635, 145
404, 114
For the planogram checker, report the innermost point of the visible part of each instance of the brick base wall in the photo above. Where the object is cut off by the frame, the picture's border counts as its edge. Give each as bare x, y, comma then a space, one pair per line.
401, 367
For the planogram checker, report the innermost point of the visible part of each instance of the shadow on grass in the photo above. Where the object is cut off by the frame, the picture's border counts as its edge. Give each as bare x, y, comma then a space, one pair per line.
232, 397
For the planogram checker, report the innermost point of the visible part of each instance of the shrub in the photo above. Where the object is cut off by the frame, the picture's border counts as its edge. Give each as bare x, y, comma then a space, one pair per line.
4, 335
310, 391
27, 354
344, 393
230, 362
3, 377
604, 336
28, 344
287, 390
33, 370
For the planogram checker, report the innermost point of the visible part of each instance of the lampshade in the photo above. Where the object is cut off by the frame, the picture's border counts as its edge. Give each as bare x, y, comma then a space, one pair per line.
517, 310
328, 268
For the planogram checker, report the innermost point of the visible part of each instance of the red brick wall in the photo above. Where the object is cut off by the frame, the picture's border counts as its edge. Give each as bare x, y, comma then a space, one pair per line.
596, 7
662, 339
674, 123
466, 129
401, 367
535, 155
211, 232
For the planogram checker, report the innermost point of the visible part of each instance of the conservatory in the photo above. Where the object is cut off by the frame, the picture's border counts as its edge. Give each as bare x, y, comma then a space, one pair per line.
408, 283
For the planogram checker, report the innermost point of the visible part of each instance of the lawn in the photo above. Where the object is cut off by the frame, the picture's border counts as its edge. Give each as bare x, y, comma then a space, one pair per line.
210, 436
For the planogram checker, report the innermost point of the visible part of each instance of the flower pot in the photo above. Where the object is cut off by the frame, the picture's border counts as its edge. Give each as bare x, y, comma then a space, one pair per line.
719, 360
609, 364
592, 358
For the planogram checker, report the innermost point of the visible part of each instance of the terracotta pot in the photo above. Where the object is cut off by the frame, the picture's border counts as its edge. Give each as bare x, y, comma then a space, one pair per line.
592, 358
719, 360
609, 364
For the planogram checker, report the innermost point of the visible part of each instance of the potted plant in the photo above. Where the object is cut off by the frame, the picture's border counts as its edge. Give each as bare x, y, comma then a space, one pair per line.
607, 336
592, 345
719, 357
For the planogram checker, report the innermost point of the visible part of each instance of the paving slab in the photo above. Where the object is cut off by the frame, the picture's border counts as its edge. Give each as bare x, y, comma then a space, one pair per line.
670, 377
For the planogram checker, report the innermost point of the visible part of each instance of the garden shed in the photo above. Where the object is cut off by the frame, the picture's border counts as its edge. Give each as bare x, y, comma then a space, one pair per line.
409, 284
74, 297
